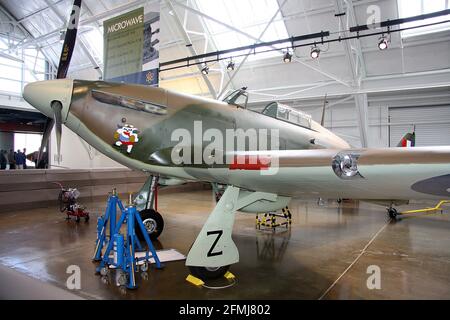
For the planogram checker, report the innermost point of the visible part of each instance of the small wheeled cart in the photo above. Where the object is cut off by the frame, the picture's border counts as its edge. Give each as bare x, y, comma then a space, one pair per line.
67, 200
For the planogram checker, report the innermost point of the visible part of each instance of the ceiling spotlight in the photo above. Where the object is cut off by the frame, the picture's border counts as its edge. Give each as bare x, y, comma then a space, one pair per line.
230, 66
315, 52
205, 70
383, 43
287, 57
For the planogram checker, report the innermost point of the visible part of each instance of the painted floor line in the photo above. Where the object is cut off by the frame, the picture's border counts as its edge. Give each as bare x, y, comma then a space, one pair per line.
354, 261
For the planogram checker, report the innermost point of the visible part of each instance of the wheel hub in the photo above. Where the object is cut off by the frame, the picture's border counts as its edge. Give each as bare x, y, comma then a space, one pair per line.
212, 269
150, 225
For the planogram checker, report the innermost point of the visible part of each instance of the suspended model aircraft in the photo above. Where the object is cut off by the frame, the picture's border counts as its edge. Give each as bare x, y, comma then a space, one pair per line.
170, 134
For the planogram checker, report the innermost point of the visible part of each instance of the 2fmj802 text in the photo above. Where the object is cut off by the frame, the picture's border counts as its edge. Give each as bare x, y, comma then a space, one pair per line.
246, 309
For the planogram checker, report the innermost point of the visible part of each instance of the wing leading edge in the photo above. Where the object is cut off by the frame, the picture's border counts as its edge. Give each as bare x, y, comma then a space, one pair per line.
385, 173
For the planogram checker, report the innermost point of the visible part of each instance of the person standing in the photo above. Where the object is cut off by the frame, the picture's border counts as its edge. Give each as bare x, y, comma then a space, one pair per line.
35, 159
11, 159
3, 160
25, 158
19, 159
5, 155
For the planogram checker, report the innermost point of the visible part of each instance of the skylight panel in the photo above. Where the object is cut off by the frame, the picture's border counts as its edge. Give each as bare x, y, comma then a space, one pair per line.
94, 39
409, 8
249, 16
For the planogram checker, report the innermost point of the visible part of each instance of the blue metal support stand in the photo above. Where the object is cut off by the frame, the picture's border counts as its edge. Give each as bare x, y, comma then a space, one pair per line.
123, 247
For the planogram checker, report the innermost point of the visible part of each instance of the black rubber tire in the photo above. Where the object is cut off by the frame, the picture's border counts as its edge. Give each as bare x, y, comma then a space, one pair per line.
392, 213
77, 219
205, 274
156, 216
86, 218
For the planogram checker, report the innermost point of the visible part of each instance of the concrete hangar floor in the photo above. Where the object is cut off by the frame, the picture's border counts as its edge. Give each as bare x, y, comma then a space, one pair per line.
325, 254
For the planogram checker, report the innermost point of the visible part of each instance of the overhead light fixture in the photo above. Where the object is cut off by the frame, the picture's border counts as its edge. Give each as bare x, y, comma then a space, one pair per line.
230, 66
383, 43
205, 70
315, 52
287, 57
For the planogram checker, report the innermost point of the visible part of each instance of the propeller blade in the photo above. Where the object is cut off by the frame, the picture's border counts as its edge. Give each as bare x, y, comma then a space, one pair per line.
69, 41
47, 130
57, 109
322, 121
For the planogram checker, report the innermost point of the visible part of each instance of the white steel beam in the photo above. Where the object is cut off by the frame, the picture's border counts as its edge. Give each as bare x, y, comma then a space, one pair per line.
83, 46
250, 51
191, 48
356, 42
391, 83
214, 45
362, 112
326, 74
348, 51
93, 19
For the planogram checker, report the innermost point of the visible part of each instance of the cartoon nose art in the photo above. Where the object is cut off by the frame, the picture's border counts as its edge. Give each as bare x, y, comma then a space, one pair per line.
126, 135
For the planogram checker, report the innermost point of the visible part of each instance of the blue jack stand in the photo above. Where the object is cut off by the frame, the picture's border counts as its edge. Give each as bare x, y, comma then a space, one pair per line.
124, 248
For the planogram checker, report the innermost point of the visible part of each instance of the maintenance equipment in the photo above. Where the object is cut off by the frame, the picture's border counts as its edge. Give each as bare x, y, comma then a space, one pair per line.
438, 207
122, 246
67, 200
269, 219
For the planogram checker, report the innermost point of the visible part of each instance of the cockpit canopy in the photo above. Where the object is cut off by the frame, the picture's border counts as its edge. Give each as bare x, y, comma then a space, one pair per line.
286, 113
237, 98
275, 110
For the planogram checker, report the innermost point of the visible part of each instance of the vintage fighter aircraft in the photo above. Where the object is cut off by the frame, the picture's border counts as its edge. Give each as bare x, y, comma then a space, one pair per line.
135, 126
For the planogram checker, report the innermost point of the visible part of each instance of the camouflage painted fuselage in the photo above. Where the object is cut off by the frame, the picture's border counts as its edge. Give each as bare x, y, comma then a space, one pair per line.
103, 107
134, 124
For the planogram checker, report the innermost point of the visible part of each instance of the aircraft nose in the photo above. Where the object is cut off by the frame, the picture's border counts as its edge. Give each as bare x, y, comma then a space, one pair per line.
42, 93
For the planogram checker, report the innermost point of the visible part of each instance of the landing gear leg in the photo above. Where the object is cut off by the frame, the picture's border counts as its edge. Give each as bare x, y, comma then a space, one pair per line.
146, 204
392, 213
214, 250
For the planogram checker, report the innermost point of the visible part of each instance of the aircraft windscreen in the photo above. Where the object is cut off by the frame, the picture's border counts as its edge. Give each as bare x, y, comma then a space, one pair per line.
286, 113
238, 98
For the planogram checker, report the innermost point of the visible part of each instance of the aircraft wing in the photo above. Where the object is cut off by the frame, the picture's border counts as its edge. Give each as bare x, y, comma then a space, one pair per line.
378, 174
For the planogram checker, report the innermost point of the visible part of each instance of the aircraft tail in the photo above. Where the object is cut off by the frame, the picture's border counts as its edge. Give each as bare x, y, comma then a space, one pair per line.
408, 140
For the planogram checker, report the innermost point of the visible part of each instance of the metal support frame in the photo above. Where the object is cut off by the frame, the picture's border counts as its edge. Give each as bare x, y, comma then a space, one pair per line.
89, 20
356, 62
191, 48
346, 44
250, 51
328, 75
269, 219
83, 46
124, 247
209, 38
357, 43
26, 33
362, 112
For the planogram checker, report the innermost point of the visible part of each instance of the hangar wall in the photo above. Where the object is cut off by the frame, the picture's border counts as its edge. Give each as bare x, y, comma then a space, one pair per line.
77, 153
6, 140
430, 108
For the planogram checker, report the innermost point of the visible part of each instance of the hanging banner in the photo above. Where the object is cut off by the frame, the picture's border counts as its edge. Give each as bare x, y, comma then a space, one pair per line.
131, 46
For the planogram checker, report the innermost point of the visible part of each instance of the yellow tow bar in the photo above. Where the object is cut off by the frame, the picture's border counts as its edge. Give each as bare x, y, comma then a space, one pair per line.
426, 210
